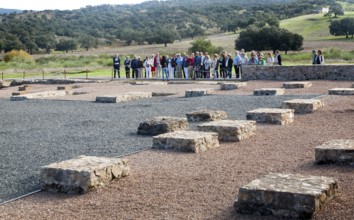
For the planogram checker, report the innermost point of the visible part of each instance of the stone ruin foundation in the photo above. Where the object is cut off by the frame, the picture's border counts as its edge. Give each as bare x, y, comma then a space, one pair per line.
206, 115
161, 125
268, 91
335, 151
232, 86
297, 85
198, 92
341, 91
271, 116
303, 106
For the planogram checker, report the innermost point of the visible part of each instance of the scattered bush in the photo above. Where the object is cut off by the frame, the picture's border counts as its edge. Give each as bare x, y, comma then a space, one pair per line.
18, 55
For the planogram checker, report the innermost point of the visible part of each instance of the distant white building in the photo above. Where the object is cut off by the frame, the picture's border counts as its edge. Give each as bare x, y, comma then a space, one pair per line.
323, 10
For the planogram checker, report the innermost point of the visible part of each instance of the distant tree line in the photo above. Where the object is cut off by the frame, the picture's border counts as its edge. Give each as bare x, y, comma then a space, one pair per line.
152, 22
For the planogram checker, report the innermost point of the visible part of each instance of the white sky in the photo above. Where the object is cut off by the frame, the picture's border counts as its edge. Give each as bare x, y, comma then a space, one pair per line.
59, 4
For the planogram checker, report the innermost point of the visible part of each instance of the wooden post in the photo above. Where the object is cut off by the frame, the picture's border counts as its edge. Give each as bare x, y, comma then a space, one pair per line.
86, 74
2, 75
43, 74
64, 73
24, 74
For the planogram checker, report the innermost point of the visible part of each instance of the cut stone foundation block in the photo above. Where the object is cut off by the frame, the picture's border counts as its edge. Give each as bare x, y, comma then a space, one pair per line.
286, 195
268, 91
161, 125
46, 94
64, 87
271, 115
82, 174
24, 88
232, 86
193, 141
230, 130
336, 151
206, 115
125, 97
341, 91
303, 106
20, 93
4, 83
198, 92
297, 85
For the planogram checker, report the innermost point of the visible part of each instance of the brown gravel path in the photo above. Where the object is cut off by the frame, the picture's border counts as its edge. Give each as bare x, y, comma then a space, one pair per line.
172, 185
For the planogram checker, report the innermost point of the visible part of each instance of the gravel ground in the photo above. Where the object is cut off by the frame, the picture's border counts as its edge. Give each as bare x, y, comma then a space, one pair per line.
167, 184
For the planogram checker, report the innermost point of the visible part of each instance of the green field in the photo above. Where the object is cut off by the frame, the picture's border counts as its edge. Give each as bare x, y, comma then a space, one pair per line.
313, 26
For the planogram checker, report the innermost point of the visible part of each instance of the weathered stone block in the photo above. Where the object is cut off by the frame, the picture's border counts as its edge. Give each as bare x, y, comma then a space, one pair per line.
4, 83
198, 92
194, 141
297, 85
64, 87
341, 91
161, 125
232, 86
268, 91
24, 88
124, 97
206, 115
19, 93
303, 106
336, 151
82, 174
286, 195
18, 98
230, 130
271, 115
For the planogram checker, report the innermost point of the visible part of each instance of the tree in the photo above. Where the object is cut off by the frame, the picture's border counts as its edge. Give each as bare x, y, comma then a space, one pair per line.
166, 37
66, 45
342, 27
336, 10
12, 43
88, 42
268, 38
203, 45
46, 42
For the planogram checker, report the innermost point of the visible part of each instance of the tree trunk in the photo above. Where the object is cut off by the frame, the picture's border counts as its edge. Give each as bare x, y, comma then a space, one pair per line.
165, 44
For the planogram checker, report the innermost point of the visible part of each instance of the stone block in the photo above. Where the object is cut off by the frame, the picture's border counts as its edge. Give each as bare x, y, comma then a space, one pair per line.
124, 97
353, 85
268, 91
164, 93
18, 98
24, 88
193, 141
206, 115
303, 106
232, 86
19, 93
335, 151
4, 83
286, 195
271, 115
341, 91
230, 130
297, 85
82, 174
198, 92
64, 87
161, 125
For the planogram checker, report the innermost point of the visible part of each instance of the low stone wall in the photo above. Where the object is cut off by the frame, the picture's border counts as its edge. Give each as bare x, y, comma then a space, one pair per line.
297, 73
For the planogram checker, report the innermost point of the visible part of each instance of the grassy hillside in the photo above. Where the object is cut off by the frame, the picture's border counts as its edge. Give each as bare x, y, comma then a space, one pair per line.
313, 27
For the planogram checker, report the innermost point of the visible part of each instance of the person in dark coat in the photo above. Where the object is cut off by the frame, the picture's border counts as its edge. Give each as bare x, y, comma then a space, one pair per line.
116, 66
277, 58
135, 67
127, 67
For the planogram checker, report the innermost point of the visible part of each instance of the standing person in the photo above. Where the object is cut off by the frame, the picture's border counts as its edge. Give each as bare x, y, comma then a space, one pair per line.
270, 59
164, 66
116, 65
229, 65
314, 57
261, 60
135, 66
152, 65
140, 68
179, 62
190, 66
147, 65
237, 63
197, 62
170, 66
253, 60
127, 67
157, 65
207, 66
185, 65
320, 57
277, 58
215, 67
222, 64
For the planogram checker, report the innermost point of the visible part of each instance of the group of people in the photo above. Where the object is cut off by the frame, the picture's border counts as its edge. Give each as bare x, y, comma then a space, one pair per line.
195, 65
317, 57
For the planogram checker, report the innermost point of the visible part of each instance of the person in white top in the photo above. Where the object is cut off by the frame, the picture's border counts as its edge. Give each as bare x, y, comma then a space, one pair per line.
147, 65
270, 59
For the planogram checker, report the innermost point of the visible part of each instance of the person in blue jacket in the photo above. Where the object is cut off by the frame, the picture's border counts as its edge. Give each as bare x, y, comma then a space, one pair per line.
116, 66
135, 66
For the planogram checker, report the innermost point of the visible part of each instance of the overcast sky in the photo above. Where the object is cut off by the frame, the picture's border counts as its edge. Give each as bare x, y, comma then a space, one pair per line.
59, 4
